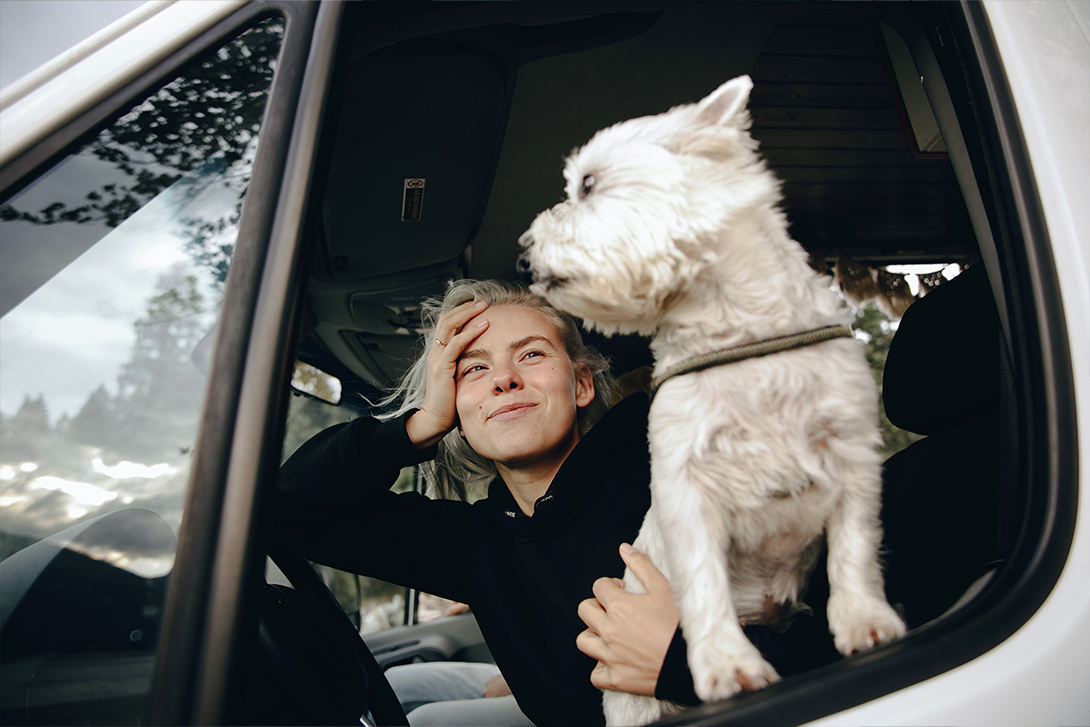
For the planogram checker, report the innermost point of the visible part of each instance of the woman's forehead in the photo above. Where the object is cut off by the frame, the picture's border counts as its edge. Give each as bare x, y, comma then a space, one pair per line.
509, 325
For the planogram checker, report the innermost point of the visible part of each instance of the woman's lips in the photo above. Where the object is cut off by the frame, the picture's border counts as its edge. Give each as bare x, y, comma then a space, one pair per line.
511, 411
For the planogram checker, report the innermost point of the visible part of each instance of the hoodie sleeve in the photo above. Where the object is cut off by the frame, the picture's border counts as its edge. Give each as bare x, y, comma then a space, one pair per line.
351, 461
675, 681
334, 506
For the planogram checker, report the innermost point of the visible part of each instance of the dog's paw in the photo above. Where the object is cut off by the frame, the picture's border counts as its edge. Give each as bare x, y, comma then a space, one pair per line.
726, 665
861, 623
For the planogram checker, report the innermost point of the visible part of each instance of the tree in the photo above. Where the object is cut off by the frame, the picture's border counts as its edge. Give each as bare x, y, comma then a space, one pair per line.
96, 422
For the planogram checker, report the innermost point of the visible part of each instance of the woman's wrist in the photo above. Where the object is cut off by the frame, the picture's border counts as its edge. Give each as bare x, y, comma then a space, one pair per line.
424, 430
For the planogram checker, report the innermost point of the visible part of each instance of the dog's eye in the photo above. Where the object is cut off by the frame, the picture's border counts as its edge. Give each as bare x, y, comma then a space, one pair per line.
588, 184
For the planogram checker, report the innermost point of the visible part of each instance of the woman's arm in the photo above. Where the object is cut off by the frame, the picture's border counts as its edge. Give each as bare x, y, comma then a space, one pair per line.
351, 461
334, 506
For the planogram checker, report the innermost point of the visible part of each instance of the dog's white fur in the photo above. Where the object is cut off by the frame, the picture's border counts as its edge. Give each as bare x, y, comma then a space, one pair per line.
672, 228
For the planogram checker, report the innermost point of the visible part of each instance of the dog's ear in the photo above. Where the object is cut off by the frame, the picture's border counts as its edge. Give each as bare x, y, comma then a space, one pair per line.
726, 104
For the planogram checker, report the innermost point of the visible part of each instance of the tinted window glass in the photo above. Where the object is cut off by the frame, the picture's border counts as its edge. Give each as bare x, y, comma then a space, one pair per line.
114, 264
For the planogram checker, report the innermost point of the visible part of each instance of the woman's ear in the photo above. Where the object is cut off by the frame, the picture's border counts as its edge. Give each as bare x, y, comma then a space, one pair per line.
584, 387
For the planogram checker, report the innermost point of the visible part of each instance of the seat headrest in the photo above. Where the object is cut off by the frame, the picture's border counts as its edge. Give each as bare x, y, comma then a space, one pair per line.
943, 364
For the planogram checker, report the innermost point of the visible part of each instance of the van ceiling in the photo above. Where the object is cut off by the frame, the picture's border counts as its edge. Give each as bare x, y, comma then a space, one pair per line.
484, 101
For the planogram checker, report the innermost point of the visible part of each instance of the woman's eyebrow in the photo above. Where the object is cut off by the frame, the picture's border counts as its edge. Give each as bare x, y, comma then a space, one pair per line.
530, 339
483, 354
473, 353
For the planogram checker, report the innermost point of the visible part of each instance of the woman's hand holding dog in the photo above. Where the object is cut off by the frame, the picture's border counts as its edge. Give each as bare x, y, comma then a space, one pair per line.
455, 330
629, 633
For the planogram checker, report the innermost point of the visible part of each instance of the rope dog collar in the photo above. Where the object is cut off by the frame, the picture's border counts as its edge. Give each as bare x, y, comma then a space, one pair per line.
749, 350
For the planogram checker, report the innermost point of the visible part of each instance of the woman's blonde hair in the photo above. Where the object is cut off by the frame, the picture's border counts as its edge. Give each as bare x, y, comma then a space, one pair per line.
458, 471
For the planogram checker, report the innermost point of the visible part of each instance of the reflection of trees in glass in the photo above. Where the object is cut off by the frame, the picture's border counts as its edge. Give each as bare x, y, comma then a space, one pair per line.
153, 415
205, 121
150, 420
24, 434
94, 424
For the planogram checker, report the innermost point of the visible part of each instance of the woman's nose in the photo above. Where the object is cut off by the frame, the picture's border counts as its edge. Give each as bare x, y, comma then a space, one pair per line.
505, 378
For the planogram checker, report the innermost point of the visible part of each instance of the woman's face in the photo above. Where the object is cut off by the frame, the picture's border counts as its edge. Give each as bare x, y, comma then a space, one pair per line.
517, 391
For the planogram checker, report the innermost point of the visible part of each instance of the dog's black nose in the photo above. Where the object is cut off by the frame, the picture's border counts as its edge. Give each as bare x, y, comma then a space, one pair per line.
525, 273
523, 264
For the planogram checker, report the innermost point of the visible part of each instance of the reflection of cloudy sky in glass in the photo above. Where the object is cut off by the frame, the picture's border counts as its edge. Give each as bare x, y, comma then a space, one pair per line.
75, 332
71, 296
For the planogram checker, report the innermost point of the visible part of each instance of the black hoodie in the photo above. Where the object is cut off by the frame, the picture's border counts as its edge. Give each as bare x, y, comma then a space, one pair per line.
523, 576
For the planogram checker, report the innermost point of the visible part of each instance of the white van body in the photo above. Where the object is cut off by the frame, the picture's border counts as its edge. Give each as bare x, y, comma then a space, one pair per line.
1039, 674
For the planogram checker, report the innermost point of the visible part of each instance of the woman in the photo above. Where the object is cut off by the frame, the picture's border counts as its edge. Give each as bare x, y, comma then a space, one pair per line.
505, 394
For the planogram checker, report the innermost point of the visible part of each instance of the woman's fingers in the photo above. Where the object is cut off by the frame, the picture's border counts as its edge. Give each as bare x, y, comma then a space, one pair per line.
437, 415
590, 611
591, 644
458, 342
645, 570
454, 320
628, 633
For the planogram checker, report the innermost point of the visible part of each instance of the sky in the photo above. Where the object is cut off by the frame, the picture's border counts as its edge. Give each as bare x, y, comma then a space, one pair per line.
32, 32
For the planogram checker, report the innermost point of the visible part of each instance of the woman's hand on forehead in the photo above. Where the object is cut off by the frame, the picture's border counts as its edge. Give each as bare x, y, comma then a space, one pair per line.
454, 331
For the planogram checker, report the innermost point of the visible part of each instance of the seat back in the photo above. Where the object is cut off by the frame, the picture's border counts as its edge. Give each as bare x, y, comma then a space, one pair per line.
942, 494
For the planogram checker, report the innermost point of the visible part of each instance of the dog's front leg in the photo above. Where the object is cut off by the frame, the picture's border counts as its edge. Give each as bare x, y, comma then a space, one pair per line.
695, 539
623, 709
859, 615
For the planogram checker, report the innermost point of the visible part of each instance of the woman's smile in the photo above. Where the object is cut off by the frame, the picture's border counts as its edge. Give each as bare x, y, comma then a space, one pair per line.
512, 411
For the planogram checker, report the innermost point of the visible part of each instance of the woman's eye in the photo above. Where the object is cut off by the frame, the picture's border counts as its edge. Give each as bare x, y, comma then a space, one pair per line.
532, 354
471, 370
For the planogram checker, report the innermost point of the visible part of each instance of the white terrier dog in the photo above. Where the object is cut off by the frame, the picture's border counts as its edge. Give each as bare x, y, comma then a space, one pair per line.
672, 229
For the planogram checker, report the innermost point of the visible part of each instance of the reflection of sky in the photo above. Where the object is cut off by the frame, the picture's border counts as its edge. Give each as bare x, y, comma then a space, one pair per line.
36, 502
75, 332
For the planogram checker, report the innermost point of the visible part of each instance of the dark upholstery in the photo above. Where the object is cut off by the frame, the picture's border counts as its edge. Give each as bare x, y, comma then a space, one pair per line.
943, 365
941, 494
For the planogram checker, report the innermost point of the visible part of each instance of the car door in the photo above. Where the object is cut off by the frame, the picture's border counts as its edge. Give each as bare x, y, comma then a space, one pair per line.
152, 198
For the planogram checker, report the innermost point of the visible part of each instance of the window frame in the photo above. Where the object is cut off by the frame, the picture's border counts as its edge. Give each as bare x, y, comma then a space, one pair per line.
1030, 300
206, 642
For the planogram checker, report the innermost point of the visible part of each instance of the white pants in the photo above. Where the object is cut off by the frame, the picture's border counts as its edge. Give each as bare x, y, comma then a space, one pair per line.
451, 693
